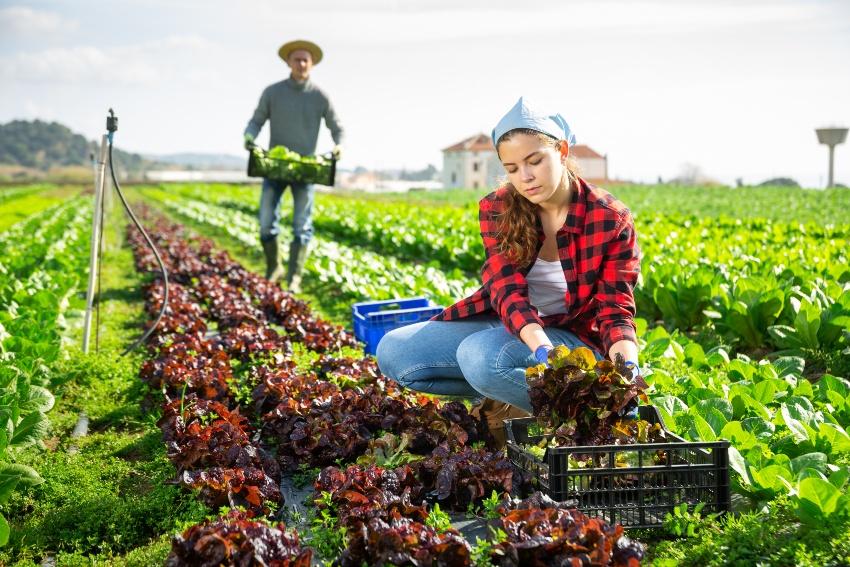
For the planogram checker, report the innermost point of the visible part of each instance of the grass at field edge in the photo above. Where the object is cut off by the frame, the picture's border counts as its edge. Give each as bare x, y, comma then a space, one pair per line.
110, 503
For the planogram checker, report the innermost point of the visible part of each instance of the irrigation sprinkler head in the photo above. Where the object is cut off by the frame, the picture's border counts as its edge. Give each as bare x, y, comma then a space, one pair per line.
111, 122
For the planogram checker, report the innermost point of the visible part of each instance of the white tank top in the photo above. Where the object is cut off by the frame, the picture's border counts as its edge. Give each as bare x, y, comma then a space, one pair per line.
547, 287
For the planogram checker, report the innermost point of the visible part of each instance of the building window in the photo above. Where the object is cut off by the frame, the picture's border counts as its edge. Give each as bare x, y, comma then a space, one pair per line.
454, 178
475, 166
475, 185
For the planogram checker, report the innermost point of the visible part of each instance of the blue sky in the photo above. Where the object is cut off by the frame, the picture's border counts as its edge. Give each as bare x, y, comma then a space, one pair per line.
734, 87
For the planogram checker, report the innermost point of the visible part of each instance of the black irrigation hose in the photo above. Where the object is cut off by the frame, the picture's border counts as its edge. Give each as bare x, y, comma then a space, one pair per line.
150, 330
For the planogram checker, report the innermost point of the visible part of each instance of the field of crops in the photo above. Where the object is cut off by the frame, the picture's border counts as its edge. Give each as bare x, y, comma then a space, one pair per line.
203, 443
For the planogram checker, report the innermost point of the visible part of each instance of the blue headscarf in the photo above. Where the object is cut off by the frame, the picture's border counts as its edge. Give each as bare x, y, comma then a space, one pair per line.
522, 116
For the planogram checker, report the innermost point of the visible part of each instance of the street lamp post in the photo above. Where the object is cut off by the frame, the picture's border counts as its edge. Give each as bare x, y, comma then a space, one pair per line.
831, 137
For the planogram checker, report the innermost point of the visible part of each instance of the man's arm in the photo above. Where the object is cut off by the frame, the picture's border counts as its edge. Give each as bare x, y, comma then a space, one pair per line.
261, 114
333, 123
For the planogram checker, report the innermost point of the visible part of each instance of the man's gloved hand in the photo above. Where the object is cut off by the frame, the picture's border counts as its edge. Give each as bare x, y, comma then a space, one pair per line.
337, 152
249, 141
541, 354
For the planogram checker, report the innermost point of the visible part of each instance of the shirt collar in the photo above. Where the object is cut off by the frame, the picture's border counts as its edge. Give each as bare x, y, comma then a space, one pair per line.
296, 86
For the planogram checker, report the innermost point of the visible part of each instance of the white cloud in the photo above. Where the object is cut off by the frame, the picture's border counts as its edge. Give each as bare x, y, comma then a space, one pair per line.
142, 64
37, 111
389, 21
23, 20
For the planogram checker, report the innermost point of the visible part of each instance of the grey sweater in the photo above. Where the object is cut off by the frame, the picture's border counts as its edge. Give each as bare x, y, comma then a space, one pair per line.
295, 111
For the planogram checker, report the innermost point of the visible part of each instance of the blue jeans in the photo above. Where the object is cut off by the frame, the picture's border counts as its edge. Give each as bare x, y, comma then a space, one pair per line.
471, 357
302, 207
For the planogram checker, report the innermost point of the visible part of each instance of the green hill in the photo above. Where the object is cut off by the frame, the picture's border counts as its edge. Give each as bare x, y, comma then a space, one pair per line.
45, 145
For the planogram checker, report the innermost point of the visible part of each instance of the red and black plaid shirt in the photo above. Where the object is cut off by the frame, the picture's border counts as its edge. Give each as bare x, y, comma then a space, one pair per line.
601, 261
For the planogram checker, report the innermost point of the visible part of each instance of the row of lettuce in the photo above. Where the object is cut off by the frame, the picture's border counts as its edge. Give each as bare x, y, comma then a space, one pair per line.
788, 434
42, 263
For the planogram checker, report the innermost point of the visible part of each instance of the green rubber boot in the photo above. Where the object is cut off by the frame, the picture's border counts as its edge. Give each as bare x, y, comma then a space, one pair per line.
273, 268
297, 258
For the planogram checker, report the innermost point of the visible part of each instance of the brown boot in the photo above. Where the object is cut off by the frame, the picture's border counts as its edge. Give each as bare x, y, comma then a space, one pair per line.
492, 415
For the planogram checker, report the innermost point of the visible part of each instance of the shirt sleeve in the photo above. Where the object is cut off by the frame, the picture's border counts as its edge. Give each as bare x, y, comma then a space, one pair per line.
261, 114
333, 123
615, 292
505, 284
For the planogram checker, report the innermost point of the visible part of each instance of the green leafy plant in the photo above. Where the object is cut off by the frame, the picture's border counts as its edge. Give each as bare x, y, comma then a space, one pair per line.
482, 551
820, 327
325, 533
490, 506
389, 451
817, 499
305, 475
752, 305
438, 519
683, 522
682, 299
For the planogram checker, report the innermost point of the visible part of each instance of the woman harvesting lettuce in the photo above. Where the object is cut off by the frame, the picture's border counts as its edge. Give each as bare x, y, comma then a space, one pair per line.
562, 261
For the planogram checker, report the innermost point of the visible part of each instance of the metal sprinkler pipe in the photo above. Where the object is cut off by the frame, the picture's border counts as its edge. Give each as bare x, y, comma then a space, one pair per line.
95, 239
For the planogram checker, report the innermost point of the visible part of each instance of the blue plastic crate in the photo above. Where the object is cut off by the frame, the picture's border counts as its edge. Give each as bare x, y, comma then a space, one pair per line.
373, 319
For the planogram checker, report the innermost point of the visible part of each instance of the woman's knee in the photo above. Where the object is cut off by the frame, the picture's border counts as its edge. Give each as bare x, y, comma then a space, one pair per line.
394, 352
475, 357
386, 355
485, 356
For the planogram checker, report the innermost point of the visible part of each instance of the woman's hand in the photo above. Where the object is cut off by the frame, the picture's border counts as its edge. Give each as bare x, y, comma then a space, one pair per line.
534, 337
627, 349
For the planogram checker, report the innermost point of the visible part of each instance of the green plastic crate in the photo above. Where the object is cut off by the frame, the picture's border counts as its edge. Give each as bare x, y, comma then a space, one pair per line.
290, 171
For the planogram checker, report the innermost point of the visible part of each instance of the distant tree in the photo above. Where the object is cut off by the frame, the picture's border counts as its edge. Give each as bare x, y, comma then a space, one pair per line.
779, 182
43, 145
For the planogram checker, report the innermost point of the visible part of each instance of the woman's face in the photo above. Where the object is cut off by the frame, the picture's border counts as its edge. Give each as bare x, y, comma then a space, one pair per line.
534, 167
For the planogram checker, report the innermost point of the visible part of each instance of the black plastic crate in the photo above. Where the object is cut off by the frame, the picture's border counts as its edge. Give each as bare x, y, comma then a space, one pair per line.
651, 480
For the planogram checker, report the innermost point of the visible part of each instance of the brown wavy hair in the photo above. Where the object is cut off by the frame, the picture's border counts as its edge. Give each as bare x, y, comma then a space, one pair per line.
518, 223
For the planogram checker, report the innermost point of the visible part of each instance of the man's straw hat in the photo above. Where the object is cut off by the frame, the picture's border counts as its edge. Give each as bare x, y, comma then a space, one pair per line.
287, 48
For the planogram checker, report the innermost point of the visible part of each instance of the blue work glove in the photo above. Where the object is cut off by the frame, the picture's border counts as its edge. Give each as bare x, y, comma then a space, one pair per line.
541, 354
249, 141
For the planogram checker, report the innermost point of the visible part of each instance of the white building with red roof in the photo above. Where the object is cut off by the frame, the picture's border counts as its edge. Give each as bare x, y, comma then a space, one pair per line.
473, 164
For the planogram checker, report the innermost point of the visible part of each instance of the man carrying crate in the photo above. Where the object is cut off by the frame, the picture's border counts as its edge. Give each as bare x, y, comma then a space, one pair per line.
295, 108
